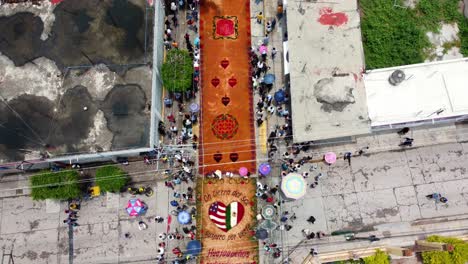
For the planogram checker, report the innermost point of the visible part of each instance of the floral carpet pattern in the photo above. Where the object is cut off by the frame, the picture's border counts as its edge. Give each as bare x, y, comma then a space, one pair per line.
225, 27
225, 126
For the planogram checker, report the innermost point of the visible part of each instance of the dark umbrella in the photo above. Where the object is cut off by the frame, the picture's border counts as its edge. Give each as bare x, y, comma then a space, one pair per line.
261, 233
279, 96
194, 247
269, 78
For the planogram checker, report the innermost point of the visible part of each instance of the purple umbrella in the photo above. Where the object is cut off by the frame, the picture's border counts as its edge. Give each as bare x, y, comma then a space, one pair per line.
194, 107
264, 169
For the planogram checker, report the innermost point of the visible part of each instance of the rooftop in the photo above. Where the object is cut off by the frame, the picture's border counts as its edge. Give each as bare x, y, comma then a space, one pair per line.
73, 78
429, 91
326, 61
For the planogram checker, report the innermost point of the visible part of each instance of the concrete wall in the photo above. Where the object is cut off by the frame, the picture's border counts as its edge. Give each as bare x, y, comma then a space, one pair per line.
157, 86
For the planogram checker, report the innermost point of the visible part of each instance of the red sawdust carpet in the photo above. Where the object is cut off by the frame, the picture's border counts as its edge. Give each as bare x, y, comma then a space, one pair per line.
227, 139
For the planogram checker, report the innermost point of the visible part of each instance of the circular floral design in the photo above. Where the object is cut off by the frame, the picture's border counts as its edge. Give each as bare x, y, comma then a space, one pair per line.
224, 126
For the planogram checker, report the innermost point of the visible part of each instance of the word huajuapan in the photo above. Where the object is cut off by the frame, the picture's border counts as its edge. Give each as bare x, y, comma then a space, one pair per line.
228, 253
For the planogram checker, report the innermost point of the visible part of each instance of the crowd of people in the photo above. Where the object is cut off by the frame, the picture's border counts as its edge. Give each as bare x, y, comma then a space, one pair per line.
177, 126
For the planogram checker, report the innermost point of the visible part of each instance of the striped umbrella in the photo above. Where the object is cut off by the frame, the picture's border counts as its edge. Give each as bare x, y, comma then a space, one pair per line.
135, 207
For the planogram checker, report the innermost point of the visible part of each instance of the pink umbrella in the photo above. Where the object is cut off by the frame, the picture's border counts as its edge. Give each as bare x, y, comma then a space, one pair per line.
243, 171
263, 49
330, 157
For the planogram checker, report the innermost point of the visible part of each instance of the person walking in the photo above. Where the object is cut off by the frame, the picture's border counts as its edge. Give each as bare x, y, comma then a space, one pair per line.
311, 220
407, 143
313, 252
273, 53
347, 156
259, 17
284, 219
403, 131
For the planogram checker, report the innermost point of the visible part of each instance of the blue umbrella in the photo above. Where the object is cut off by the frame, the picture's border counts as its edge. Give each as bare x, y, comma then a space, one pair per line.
194, 107
197, 41
279, 96
261, 233
194, 247
184, 218
269, 78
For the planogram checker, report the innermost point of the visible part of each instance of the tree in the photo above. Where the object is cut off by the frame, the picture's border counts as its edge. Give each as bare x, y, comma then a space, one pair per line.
111, 178
177, 71
378, 258
62, 185
458, 256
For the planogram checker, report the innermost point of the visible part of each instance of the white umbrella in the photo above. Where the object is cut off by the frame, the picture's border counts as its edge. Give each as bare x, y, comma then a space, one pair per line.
293, 186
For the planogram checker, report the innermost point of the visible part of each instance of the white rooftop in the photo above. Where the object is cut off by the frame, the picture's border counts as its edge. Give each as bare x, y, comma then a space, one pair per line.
429, 91
325, 62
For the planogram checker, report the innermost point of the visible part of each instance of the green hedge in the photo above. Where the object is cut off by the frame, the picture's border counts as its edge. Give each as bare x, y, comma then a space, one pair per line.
111, 178
62, 185
458, 256
177, 71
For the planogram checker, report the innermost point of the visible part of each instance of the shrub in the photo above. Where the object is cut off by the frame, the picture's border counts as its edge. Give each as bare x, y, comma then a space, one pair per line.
379, 258
62, 185
111, 178
177, 71
458, 256
431, 13
394, 36
391, 36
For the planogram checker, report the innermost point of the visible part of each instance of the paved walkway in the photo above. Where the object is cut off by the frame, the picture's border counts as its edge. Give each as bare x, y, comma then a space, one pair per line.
384, 193
37, 234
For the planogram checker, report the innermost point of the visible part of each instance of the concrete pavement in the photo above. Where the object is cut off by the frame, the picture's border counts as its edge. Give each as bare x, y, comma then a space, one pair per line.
37, 234
384, 194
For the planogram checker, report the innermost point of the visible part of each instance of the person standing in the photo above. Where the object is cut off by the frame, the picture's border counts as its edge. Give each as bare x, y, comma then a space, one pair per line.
173, 8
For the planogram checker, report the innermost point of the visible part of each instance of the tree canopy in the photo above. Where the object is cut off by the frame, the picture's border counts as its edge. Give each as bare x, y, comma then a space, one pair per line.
111, 178
62, 185
177, 71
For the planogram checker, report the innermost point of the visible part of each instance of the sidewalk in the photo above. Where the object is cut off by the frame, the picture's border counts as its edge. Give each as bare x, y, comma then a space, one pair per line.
37, 234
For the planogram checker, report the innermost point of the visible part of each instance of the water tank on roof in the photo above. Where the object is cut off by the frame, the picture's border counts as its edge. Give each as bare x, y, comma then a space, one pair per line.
396, 77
